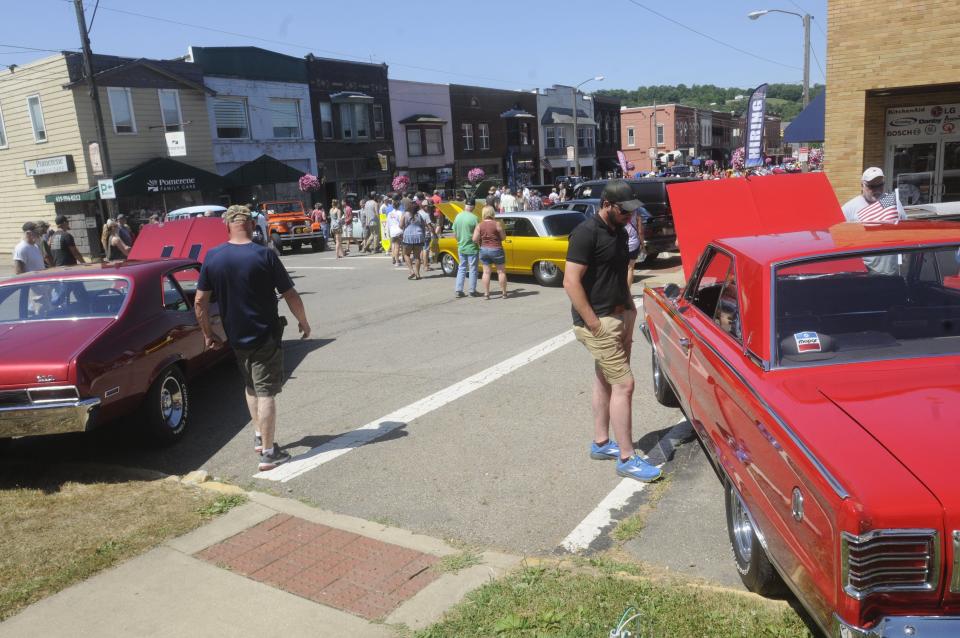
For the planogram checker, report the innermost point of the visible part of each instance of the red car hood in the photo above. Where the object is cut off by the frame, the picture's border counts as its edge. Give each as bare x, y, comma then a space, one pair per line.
717, 209
43, 348
912, 412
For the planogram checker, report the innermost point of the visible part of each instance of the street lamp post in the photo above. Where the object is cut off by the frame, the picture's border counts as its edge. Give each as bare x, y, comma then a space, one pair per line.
805, 17
576, 142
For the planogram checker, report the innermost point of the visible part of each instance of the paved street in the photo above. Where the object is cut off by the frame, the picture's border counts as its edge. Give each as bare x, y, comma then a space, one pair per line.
499, 461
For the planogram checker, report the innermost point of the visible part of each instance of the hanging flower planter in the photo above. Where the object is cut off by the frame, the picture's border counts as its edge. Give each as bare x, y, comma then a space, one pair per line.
401, 183
474, 175
309, 183
816, 158
736, 158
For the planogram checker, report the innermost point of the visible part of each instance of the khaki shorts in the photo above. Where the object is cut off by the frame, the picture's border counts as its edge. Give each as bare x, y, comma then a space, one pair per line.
607, 349
262, 367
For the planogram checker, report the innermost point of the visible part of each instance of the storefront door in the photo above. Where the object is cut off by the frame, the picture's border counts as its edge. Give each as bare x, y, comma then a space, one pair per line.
923, 153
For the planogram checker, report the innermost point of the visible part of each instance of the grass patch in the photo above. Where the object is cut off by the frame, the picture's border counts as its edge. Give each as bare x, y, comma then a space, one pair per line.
630, 527
60, 526
455, 562
550, 601
221, 505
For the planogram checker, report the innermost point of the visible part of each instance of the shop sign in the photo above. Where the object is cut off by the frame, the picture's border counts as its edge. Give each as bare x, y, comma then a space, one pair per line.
444, 174
107, 190
96, 164
570, 153
162, 185
49, 165
61, 198
912, 122
804, 153
176, 144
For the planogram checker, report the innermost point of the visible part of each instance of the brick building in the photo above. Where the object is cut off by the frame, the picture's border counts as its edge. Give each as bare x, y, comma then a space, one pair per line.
890, 103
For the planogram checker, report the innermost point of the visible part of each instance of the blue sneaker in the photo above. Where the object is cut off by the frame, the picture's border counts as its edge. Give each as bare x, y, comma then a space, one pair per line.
605, 452
637, 468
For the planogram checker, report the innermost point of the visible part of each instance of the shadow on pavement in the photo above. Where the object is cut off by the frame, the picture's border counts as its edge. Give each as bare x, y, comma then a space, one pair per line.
385, 431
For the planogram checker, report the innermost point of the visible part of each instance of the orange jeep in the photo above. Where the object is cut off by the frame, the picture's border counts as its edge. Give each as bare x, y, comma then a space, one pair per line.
289, 224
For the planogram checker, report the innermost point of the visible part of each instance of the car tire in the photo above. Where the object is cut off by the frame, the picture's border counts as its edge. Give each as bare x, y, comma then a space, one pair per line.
448, 264
276, 242
165, 410
755, 569
647, 259
662, 389
547, 273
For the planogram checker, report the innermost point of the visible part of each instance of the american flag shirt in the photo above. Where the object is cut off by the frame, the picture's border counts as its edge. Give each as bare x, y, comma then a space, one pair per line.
882, 211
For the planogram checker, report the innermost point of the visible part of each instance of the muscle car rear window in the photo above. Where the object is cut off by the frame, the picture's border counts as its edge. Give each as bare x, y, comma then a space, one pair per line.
884, 305
562, 224
65, 299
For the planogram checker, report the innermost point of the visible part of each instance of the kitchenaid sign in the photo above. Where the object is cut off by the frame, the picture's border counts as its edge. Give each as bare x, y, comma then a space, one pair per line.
908, 122
163, 185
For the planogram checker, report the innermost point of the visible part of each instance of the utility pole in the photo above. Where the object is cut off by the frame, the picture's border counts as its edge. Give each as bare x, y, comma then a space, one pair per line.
576, 143
653, 138
95, 97
806, 59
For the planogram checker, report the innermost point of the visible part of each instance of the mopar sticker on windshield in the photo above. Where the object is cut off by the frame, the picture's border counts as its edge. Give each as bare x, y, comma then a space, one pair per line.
807, 341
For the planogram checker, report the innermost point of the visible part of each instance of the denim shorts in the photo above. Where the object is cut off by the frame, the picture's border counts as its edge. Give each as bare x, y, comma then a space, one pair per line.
492, 256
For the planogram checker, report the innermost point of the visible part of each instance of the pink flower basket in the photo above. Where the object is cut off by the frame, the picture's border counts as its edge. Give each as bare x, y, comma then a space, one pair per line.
401, 183
474, 175
309, 183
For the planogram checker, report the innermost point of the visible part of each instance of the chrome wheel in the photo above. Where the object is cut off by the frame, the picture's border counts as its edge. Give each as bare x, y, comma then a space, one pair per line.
548, 269
741, 528
448, 264
547, 273
171, 403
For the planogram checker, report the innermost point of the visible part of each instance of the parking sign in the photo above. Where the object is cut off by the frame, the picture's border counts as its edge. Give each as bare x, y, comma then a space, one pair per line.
106, 189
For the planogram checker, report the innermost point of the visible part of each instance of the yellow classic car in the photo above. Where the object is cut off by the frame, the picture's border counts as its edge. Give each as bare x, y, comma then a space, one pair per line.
536, 244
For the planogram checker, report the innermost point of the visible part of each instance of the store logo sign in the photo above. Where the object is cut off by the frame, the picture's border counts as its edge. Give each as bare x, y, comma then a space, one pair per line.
904, 121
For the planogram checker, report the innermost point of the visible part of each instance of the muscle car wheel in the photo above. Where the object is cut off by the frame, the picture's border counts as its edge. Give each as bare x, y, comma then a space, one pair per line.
755, 569
167, 407
547, 273
661, 387
448, 264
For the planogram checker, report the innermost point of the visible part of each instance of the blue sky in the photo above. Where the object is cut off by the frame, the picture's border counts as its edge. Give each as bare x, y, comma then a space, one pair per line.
513, 44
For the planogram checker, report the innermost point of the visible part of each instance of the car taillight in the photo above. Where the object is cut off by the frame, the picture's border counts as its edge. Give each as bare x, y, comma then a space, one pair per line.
890, 560
53, 394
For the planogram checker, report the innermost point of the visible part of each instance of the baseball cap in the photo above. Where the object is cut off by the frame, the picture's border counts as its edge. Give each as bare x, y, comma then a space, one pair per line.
237, 214
29, 227
61, 220
619, 192
872, 174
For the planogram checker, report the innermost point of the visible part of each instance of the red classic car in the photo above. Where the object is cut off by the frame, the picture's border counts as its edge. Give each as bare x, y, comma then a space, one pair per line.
83, 345
818, 363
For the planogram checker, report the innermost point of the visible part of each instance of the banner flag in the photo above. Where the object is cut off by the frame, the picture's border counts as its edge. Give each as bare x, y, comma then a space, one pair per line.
623, 162
753, 123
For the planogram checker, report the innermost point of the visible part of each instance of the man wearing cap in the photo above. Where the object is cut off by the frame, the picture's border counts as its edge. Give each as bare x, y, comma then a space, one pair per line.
124, 230
63, 248
26, 255
874, 206
245, 278
595, 279
43, 239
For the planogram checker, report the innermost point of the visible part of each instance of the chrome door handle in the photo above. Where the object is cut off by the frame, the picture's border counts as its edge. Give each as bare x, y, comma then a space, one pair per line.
686, 344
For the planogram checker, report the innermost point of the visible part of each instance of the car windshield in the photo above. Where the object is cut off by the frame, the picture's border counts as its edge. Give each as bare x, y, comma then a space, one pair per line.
563, 224
66, 299
284, 207
886, 305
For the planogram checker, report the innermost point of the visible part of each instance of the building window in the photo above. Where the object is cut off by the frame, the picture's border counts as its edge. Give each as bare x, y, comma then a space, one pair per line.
378, 121
285, 115
660, 135
561, 137
414, 142
36, 119
551, 135
3, 131
467, 130
353, 121
121, 110
631, 137
427, 140
585, 137
326, 120
230, 115
362, 120
170, 109
524, 133
434, 140
483, 132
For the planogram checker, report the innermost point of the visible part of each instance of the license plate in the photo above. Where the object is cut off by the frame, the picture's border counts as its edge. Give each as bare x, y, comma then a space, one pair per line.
300, 229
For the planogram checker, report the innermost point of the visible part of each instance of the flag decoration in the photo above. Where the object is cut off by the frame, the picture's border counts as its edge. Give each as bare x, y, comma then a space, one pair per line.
754, 121
882, 211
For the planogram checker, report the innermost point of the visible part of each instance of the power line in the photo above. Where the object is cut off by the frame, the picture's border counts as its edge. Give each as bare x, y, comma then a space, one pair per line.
710, 37
815, 57
94, 16
26, 48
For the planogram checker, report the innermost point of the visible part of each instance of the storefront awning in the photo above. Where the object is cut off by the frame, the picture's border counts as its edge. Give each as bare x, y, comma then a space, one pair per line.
80, 196
423, 118
516, 113
350, 97
165, 175
263, 170
808, 125
555, 115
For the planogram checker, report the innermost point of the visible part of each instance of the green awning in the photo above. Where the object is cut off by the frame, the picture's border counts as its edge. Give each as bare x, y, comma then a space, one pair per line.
263, 170
80, 196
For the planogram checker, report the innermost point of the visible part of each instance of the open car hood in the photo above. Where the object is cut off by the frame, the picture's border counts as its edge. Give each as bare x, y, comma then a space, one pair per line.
717, 209
180, 239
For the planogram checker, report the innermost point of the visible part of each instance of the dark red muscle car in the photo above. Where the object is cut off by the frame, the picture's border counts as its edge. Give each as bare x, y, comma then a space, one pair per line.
819, 363
84, 345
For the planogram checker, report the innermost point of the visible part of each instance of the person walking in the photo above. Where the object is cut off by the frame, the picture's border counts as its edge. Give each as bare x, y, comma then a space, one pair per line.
370, 218
413, 234
245, 279
43, 241
489, 235
63, 248
395, 230
319, 216
429, 230
468, 251
336, 226
508, 203
534, 201
27, 256
123, 229
603, 318
347, 226
114, 248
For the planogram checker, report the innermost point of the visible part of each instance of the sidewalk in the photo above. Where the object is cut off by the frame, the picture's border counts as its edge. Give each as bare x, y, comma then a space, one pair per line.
270, 567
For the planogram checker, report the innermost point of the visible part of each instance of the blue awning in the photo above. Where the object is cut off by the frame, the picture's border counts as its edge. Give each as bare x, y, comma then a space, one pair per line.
808, 126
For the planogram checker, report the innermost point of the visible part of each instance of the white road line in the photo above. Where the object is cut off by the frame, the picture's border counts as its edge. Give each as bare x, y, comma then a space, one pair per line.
379, 427
296, 268
602, 516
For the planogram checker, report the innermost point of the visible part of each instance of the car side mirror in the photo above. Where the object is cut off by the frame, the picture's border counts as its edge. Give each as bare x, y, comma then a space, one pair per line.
671, 291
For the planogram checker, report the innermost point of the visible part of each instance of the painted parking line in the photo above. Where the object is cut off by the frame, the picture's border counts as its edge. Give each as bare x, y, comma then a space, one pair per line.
296, 268
601, 517
377, 428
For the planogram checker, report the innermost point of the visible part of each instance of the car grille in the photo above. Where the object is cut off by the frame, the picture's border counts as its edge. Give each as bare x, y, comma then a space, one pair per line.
890, 560
13, 397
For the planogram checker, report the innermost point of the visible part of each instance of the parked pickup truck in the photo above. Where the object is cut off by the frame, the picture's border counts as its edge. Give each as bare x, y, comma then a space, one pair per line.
289, 225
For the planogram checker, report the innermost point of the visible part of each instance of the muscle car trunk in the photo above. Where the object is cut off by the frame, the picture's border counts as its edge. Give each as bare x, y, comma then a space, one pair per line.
181, 239
32, 354
709, 210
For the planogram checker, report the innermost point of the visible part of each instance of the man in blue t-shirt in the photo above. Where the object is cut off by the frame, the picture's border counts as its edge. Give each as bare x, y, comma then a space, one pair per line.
244, 279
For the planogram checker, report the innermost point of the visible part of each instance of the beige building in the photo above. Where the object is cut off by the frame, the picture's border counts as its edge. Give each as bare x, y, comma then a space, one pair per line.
48, 154
894, 98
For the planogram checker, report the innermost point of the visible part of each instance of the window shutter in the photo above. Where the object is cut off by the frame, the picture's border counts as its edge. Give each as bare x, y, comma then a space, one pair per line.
230, 114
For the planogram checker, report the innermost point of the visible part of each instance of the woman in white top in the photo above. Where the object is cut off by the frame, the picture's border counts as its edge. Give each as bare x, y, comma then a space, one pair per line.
634, 230
396, 233
336, 226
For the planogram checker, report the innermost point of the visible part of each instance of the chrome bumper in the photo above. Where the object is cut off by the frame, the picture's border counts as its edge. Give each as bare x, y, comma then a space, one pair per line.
902, 627
47, 418
300, 236
646, 332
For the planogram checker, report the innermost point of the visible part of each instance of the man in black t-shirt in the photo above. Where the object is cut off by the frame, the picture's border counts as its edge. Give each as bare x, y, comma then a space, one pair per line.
595, 279
245, 278
63, 248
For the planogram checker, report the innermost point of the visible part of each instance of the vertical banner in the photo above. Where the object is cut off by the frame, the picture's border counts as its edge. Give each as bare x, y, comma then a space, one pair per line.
623, 162
753, 123
511, 171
